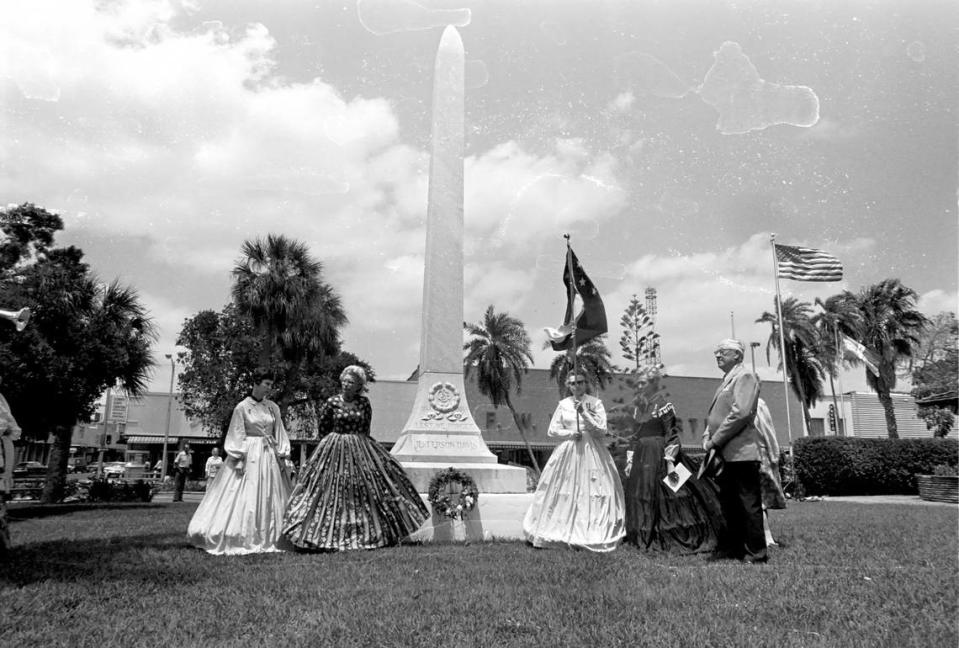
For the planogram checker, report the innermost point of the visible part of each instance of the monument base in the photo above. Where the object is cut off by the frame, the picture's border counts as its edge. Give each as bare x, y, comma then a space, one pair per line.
496, 517
489, 478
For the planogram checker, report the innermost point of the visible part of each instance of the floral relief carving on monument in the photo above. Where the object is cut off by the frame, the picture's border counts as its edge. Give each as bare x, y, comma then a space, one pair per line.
444, 399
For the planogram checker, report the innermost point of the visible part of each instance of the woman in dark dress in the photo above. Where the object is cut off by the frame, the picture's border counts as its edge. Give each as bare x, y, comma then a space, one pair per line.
686, 521
352, 494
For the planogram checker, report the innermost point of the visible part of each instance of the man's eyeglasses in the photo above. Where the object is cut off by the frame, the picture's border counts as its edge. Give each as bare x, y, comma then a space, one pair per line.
577, 382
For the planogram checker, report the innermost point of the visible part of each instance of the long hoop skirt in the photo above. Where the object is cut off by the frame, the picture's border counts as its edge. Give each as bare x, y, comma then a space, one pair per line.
243, 513
352, 495
687, 521
770, 481
579, 499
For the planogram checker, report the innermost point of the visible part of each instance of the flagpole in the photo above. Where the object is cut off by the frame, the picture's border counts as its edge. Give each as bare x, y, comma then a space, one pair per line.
571, 302
842, 399
782, 338
832, 385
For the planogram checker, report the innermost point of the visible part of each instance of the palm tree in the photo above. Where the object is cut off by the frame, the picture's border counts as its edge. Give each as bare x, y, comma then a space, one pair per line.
802, 363
892, 328
120, 336
499, 350
119, 310
840, 316
279, 285
592, 358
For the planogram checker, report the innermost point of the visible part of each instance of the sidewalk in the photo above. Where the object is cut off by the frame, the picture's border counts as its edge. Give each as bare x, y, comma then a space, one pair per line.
196, 496
882, 499
188, 496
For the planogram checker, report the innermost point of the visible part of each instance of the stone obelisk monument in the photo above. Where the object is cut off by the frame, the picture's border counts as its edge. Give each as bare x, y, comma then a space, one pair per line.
440, 431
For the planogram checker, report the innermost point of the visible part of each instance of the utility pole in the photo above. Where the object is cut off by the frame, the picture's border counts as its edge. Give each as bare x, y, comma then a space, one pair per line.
752, 353
169, 417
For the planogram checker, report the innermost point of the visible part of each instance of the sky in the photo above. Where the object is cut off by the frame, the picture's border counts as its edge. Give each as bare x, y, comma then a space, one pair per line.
668, 139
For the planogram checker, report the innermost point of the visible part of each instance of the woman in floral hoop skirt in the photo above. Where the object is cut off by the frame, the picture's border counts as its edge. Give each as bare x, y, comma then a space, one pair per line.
579, 499
242, 510
685, 521
352, 494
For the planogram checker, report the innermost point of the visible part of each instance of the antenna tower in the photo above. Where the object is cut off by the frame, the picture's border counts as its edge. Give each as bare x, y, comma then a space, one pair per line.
655, 355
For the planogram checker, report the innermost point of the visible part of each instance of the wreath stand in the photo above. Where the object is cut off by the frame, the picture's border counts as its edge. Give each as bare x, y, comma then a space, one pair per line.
453, 500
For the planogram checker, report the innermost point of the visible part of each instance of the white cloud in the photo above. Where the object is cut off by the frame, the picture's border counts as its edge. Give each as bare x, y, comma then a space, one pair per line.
936, 301
494, 283
701, 296
513, 196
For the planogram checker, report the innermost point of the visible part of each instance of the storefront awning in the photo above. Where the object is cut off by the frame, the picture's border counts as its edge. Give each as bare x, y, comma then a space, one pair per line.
154, 440
146, 440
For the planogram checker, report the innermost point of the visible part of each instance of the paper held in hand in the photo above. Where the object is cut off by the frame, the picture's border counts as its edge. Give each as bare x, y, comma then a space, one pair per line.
679, 476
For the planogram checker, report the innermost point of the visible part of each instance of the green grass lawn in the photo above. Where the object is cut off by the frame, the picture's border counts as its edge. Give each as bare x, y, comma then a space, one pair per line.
123, 575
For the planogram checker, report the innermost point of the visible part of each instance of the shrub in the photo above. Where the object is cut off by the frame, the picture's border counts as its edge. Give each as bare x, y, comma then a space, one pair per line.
190, 485
854, 466
938, 419
945, 470
102, 490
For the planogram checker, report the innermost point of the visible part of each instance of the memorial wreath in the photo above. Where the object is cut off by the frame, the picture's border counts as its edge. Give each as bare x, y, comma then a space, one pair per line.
452, 503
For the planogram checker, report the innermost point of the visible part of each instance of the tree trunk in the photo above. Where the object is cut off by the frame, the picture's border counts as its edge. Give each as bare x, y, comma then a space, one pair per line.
522, 433
887, 407
57, 465
800, 393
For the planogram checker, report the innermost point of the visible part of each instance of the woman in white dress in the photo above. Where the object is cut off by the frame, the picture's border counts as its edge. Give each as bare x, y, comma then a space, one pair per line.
242, 510
579, 499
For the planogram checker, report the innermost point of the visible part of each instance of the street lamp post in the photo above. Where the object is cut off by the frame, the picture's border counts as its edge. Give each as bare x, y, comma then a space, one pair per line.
752, 353
169, 417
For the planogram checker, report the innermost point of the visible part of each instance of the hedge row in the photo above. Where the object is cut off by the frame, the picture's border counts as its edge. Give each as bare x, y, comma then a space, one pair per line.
102, 490
853, 466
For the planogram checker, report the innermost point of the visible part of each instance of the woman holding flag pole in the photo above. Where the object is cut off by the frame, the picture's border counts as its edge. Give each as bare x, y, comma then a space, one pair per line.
579, 499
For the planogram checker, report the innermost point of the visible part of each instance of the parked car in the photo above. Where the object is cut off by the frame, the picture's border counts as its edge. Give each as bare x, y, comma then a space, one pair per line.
114, 469
76, 466
136, 470
29, 469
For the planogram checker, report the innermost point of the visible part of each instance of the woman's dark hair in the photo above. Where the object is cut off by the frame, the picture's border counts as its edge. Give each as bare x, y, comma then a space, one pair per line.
262, 374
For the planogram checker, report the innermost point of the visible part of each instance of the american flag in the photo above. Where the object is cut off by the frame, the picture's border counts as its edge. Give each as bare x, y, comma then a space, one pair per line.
807, 264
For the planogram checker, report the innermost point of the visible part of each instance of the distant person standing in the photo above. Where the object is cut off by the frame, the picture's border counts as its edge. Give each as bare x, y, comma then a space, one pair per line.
182, 464
731, 431
213, 464
9, 432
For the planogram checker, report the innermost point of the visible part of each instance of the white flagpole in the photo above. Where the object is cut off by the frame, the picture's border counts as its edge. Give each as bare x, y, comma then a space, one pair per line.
572, 314
782, 338
842, 398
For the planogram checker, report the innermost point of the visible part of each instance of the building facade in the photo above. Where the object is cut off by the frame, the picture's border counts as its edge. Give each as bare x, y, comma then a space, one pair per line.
142, 431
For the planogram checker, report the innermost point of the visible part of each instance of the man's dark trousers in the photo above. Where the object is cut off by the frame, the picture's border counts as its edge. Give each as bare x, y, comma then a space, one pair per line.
740, 496
179, 482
